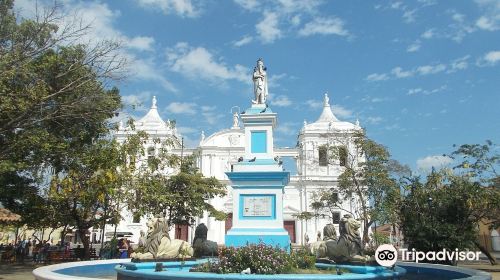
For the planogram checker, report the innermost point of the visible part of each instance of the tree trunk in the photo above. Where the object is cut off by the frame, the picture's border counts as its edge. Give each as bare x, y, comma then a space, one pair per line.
50, 233
483, 250
16, 238
85, 241
366, 237
63, 234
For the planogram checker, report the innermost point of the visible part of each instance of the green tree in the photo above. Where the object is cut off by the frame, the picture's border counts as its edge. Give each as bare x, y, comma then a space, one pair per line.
442, 212
48, 86
368, 179
480, 163
165, 184
88, 189
54, 110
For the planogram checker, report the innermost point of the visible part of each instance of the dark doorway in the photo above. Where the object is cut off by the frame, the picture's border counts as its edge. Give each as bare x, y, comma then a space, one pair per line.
229, 221
290, 227
181, 232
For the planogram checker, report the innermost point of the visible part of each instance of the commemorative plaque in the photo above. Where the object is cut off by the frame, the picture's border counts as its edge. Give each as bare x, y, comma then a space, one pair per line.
257, 206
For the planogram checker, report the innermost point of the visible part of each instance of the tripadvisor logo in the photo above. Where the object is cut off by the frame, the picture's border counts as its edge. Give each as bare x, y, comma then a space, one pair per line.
386, 255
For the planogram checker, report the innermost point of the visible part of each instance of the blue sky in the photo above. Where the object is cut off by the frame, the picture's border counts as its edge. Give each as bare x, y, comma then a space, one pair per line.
419, 75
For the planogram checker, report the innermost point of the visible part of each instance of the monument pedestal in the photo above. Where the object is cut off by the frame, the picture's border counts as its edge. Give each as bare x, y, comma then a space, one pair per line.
258, 208
258, 183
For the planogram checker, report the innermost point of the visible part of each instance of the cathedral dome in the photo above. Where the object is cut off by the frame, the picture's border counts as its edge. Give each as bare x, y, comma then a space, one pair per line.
153, 125
327, 121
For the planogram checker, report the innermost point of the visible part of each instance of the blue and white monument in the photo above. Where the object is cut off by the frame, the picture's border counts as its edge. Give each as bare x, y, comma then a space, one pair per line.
258, 179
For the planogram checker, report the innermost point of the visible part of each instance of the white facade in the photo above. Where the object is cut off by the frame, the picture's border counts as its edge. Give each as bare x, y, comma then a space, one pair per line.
220, 150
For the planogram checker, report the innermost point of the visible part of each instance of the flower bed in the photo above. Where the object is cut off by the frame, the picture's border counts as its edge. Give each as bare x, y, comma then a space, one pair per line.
261, 259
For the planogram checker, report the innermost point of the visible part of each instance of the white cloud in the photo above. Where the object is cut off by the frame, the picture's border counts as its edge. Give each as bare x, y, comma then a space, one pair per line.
458, 17
187, 130
183, 8
368, 98
102, 19
243, 41
459, 64
341, 111
314, 104
280, 18
490, 20
436, 161
377, 77
398, 72
248, 4
409, 16
141, 43
492, 57
274, 79
147, 70
324, 26
431, 69
295, 20
281, 101
414, 91
428, 34
374, 120
268, 29
396, 5
139, 101
186, 108
414, 47
288, 128
210, 114
200, 63
486, 23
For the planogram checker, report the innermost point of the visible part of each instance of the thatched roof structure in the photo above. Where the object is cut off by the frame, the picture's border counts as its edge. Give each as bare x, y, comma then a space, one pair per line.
6, 216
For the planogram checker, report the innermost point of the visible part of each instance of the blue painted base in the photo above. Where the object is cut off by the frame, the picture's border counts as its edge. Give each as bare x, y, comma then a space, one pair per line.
276, 238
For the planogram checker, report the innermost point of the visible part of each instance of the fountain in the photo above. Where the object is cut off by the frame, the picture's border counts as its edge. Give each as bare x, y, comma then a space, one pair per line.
258, 182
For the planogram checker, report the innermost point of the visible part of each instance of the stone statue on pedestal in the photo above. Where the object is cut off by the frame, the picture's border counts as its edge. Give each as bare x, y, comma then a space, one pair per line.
346, 248
202, 246
260, 83
158, 244
236, 120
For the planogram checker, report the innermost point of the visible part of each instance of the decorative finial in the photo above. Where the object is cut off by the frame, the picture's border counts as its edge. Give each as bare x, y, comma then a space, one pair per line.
326, 100
305, 122
154, 103
120, 125
202, 136
357, 122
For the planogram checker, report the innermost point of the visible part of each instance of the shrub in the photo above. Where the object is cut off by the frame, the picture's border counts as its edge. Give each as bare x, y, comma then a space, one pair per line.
303, 259
260, 258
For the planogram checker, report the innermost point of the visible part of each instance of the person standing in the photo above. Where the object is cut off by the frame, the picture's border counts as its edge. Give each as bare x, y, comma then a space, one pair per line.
124, 249
29, 247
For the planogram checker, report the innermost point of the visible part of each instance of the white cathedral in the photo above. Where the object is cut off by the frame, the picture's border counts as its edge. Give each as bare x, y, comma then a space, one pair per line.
217, 153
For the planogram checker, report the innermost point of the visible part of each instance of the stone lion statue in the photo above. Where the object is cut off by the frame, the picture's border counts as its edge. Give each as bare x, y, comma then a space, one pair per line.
158, 244
348, 247
202, 246
318, 248
329, 232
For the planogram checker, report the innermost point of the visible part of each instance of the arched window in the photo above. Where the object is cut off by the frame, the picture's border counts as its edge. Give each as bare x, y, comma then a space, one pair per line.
342, 156
151, 153
323, 155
